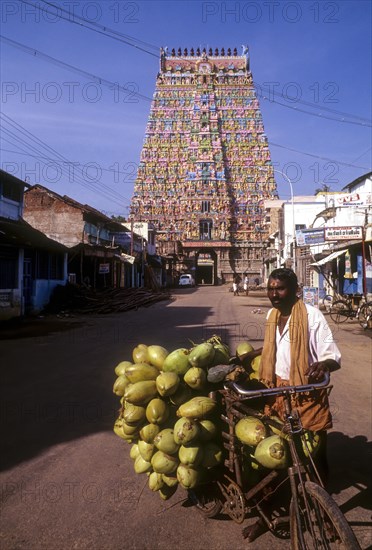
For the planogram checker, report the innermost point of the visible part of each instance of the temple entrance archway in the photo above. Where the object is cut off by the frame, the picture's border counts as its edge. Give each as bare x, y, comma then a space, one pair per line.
206, 267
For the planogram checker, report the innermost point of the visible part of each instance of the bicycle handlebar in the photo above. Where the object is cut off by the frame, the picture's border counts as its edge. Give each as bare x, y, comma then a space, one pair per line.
250, 394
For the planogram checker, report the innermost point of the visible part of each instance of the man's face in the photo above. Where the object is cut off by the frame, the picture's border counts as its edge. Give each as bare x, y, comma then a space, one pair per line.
280, 294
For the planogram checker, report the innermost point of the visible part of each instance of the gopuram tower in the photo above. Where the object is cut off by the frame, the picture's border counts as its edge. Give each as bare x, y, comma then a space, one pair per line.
205, 168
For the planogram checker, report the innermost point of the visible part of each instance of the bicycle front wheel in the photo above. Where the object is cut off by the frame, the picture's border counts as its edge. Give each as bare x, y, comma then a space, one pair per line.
321, 524
365, 316
340, 311
207, 499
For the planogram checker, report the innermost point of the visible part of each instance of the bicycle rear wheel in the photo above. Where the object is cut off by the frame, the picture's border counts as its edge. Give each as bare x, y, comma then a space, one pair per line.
340, 311
322, 524
365, 316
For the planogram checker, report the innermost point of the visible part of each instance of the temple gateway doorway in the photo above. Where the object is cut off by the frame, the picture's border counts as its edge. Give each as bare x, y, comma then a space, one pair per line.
206, 267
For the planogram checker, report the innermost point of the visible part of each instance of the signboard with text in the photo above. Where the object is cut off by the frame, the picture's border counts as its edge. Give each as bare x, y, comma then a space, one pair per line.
104, 268
306, 237
346, 233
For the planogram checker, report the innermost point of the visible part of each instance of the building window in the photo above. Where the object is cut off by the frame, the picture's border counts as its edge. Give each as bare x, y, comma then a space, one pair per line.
205, 230
11, 191
55, 266
205, 206
48, 265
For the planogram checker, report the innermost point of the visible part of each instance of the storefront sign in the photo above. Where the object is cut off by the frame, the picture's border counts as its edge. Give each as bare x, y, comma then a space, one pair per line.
104, 268
205, 244
305, 237
348, 199
346, 233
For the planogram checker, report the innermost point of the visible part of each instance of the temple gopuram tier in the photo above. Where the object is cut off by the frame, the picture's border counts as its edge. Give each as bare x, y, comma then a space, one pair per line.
205, 168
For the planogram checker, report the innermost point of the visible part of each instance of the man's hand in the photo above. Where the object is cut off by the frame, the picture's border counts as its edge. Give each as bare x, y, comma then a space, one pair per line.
317, 370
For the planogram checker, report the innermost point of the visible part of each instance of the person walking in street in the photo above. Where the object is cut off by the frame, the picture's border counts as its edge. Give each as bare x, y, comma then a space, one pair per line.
246, 284
298, 349
236, 281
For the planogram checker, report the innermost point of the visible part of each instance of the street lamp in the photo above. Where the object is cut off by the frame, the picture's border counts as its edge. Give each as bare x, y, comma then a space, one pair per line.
293, 218
293, 215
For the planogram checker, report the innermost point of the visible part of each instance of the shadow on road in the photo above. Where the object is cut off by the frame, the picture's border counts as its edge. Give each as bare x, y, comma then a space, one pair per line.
57, 386
16, 329
356, 452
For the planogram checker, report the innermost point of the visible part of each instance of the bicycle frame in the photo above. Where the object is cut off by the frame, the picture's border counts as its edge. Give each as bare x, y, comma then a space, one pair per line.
235, 398
314, 520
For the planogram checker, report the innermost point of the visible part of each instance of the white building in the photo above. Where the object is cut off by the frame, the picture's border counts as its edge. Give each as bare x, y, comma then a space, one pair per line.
318, 225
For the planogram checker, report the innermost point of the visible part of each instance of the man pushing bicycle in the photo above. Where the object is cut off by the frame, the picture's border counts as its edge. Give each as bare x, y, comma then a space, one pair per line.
298, 349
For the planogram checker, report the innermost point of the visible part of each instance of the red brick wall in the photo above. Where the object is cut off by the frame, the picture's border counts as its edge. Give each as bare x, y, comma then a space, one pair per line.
51, 215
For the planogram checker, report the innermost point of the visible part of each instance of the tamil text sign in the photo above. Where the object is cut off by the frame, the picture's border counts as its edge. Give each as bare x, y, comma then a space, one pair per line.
343, 233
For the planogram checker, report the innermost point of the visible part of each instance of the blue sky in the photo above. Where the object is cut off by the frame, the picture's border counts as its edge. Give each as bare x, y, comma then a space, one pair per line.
312, 56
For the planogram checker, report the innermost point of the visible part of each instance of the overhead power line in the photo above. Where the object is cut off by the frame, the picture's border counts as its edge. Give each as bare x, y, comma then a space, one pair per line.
320, 115
116, 86
79, 165
67, 66
44, 152
93, 26
318, 156
133, 42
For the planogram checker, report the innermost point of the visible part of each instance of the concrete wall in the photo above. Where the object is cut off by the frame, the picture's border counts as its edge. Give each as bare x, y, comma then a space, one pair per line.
10, 303
41, 292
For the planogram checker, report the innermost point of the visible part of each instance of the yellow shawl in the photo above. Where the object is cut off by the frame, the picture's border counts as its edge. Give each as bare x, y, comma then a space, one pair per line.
299, 342
313, 408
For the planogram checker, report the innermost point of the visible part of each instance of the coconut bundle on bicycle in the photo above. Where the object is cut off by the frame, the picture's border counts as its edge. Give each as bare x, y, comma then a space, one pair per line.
166, 414
174, 427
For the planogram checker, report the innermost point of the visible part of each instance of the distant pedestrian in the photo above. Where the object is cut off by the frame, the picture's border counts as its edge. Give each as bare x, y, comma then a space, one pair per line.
246, 285
257, 281
236, 285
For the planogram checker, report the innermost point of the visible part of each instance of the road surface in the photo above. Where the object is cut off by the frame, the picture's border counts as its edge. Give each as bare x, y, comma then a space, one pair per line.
67, 481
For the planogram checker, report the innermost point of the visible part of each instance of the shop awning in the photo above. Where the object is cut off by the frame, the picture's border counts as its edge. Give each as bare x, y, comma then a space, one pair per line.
330, 257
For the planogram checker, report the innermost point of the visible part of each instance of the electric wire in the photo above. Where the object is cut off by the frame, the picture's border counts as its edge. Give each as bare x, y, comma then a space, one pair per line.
101, 80
47, 160
100, 188
114, 85
127, 41
318, 156
103, 30
72, 68
130, 42
319, 115
77, 164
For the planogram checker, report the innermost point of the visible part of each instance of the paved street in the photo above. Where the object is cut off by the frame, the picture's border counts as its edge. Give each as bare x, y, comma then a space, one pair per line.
67, 481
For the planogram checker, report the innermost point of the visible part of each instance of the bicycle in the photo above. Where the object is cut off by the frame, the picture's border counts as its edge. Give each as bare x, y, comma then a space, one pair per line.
314, 520
342, 310
328, 299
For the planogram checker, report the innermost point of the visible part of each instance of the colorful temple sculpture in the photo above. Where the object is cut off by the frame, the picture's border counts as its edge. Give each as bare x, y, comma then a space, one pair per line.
205, 168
